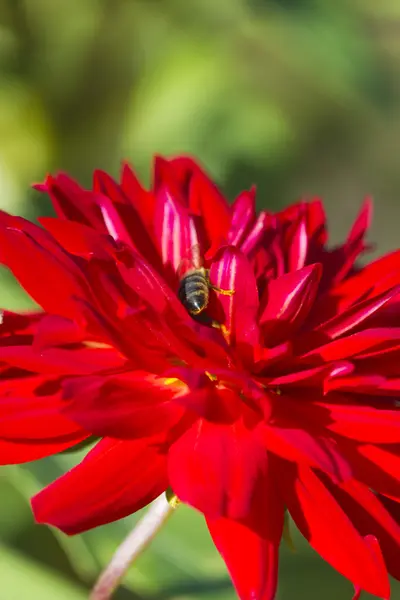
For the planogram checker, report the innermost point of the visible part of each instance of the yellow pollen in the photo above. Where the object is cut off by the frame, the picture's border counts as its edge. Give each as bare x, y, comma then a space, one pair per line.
224, 330
211, 376
97, 345
278, 391
172, 498
171, 381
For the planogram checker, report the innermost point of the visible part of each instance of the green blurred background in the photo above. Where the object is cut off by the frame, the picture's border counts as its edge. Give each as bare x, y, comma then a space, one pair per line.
297, 96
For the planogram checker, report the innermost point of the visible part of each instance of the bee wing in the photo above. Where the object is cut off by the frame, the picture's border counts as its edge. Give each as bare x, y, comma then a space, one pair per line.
191, 259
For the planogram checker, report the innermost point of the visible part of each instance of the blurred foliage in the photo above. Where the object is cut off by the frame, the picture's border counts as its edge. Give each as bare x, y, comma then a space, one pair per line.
297, 96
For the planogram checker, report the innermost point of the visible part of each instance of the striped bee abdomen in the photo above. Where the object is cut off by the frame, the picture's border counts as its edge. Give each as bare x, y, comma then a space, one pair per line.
194, 291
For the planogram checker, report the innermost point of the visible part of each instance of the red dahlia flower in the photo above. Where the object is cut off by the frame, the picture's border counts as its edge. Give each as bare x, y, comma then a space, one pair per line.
289, 402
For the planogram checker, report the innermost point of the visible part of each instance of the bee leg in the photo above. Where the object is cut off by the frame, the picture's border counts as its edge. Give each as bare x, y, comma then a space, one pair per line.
223, 329
217, 289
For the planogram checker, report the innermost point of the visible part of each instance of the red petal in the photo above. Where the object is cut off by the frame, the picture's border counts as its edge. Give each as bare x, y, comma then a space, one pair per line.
377, 467
370, 517
330, 532
256, 235
317, 377
316, 223
374, 547
252, 560
53, 281
124, 406
362, 423
233, 273
127, 221
250, 547
288, 301
361, 224
355, 243
59, 361
205, 200
243, 215
298, 247
57, 331
357, 344
24, 451
70, 200
33, 426
115, 479
305, 448
215, 468
17, 323
142, 200
77, 238
356, 315
174, 229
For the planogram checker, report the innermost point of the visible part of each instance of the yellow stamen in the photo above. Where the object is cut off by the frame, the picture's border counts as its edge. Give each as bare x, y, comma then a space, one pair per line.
97, 345
211, 376
171, 381
172, 498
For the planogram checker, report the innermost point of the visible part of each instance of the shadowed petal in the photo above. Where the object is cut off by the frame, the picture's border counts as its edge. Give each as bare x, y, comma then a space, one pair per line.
70, 200
136, 404
302, 447
355, 243
207, 201
33, 426
143, 201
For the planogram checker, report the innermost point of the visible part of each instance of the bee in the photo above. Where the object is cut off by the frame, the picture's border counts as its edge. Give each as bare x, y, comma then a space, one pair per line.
195, 285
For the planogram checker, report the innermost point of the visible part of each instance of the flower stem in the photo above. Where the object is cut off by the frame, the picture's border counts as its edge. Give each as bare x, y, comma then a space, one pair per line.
133, 545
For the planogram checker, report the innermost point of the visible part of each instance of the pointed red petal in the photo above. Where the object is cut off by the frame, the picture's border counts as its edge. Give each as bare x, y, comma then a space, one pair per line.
143, 201
298, 247
114, 480
252, 560
287, 302
362, 343
370, 517
243, 214
233, 273
206, 201
250, 547
356, 315
329, 531
174, 229
70, 200
54, 281
215, 468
